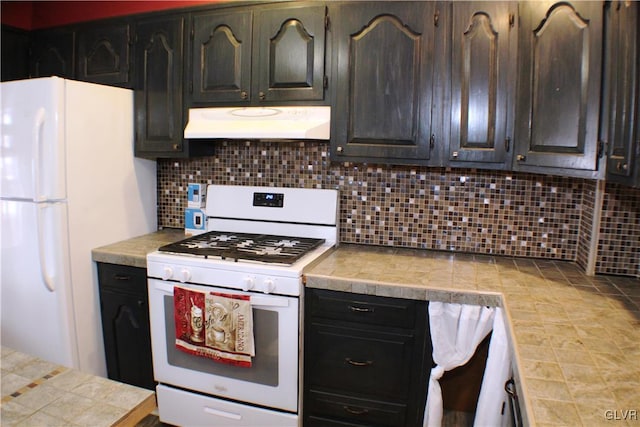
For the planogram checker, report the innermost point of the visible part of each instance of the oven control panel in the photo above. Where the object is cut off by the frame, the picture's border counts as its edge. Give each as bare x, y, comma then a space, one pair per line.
268, 281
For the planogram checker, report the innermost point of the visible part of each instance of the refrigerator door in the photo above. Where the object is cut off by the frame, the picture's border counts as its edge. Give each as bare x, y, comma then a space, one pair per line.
33, 151
35, 303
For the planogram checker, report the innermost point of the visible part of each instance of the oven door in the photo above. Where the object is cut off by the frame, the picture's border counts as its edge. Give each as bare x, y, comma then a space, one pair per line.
271, 381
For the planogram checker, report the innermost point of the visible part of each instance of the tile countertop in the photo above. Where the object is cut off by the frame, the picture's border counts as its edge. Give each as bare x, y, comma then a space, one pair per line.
576, 338
39, 393
133, 252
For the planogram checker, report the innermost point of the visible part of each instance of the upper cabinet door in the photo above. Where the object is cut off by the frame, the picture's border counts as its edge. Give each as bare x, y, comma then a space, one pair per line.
52, 54
103, 54
221, 57
483, 79
560, 51
289, 49
158, 89
622, 76
383, 73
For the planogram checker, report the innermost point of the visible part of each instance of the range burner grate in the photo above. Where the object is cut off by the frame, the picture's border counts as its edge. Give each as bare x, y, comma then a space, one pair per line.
245, 247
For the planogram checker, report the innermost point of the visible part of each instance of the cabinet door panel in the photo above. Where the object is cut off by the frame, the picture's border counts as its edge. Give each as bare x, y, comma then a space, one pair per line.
561, 51
15, 53
103, 54
483, 81
384, 73
221, 69
125, 323
53, 54
290, 45
623, 73
159, 54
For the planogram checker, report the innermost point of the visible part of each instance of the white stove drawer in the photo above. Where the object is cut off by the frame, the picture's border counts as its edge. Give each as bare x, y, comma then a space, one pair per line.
180, 407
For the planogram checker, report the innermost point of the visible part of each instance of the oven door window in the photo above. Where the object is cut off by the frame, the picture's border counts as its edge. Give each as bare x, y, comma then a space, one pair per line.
264, 366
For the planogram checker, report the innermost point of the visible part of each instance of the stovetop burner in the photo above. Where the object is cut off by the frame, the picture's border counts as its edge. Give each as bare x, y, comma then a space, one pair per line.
245, 246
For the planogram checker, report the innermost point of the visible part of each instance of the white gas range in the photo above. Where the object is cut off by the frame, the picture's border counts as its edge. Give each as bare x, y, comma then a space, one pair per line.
258, 244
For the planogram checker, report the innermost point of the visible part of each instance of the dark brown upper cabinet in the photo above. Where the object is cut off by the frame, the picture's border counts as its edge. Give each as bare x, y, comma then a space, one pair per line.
382, 59
103, 53
257, 55
290, 43
558, 97
15, 53
159, 109
53, 53
221, 57
622, 93
483, 80
158, 90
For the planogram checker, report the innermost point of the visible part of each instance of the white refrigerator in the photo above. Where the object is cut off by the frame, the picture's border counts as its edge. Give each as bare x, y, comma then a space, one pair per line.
70, 183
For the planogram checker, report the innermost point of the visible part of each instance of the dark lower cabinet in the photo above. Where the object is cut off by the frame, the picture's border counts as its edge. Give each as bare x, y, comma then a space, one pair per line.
366, 361
125, 324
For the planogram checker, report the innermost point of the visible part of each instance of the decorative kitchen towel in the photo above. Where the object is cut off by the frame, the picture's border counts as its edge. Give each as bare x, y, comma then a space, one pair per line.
214, 325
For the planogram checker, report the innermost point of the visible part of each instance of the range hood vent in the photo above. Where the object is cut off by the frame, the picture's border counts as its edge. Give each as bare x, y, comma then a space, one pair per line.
259, 123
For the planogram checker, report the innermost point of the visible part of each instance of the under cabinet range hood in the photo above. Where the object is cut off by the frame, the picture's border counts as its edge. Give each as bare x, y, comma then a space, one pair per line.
259, 123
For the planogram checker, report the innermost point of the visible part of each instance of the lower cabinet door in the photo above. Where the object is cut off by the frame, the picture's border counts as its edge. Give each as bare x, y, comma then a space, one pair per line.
351, 409
127, 339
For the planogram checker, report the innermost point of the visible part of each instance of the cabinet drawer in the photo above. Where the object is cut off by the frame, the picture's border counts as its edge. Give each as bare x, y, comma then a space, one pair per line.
315, 421
123, 278
373, 363
366, 309
362, 411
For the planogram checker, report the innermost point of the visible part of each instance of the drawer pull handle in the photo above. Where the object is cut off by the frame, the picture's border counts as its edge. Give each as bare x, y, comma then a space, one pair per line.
352, 362
121, 277
360, 309
355, 411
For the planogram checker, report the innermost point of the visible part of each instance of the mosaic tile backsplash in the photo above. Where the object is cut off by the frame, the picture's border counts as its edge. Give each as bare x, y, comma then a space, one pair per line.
463, 210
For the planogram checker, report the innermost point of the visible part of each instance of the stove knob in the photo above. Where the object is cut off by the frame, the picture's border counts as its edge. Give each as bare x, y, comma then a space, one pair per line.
249, 283
167, 273
185, 275
269, 286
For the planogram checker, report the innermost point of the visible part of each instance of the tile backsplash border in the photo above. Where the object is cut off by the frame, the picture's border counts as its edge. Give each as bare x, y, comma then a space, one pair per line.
462, 210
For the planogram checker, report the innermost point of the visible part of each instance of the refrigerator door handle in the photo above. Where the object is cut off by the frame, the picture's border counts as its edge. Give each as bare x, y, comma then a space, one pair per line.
46, 277
37, 152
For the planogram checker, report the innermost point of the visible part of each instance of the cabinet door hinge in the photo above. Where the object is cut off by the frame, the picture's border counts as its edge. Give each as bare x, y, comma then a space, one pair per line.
191, 86
436, 18
512, 20
601, 148
432, 141
192, 33
325, 82
327, 22
507, 144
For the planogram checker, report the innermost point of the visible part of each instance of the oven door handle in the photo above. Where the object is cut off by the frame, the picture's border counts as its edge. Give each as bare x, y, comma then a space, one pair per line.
261, 300
164, 287
269, 301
